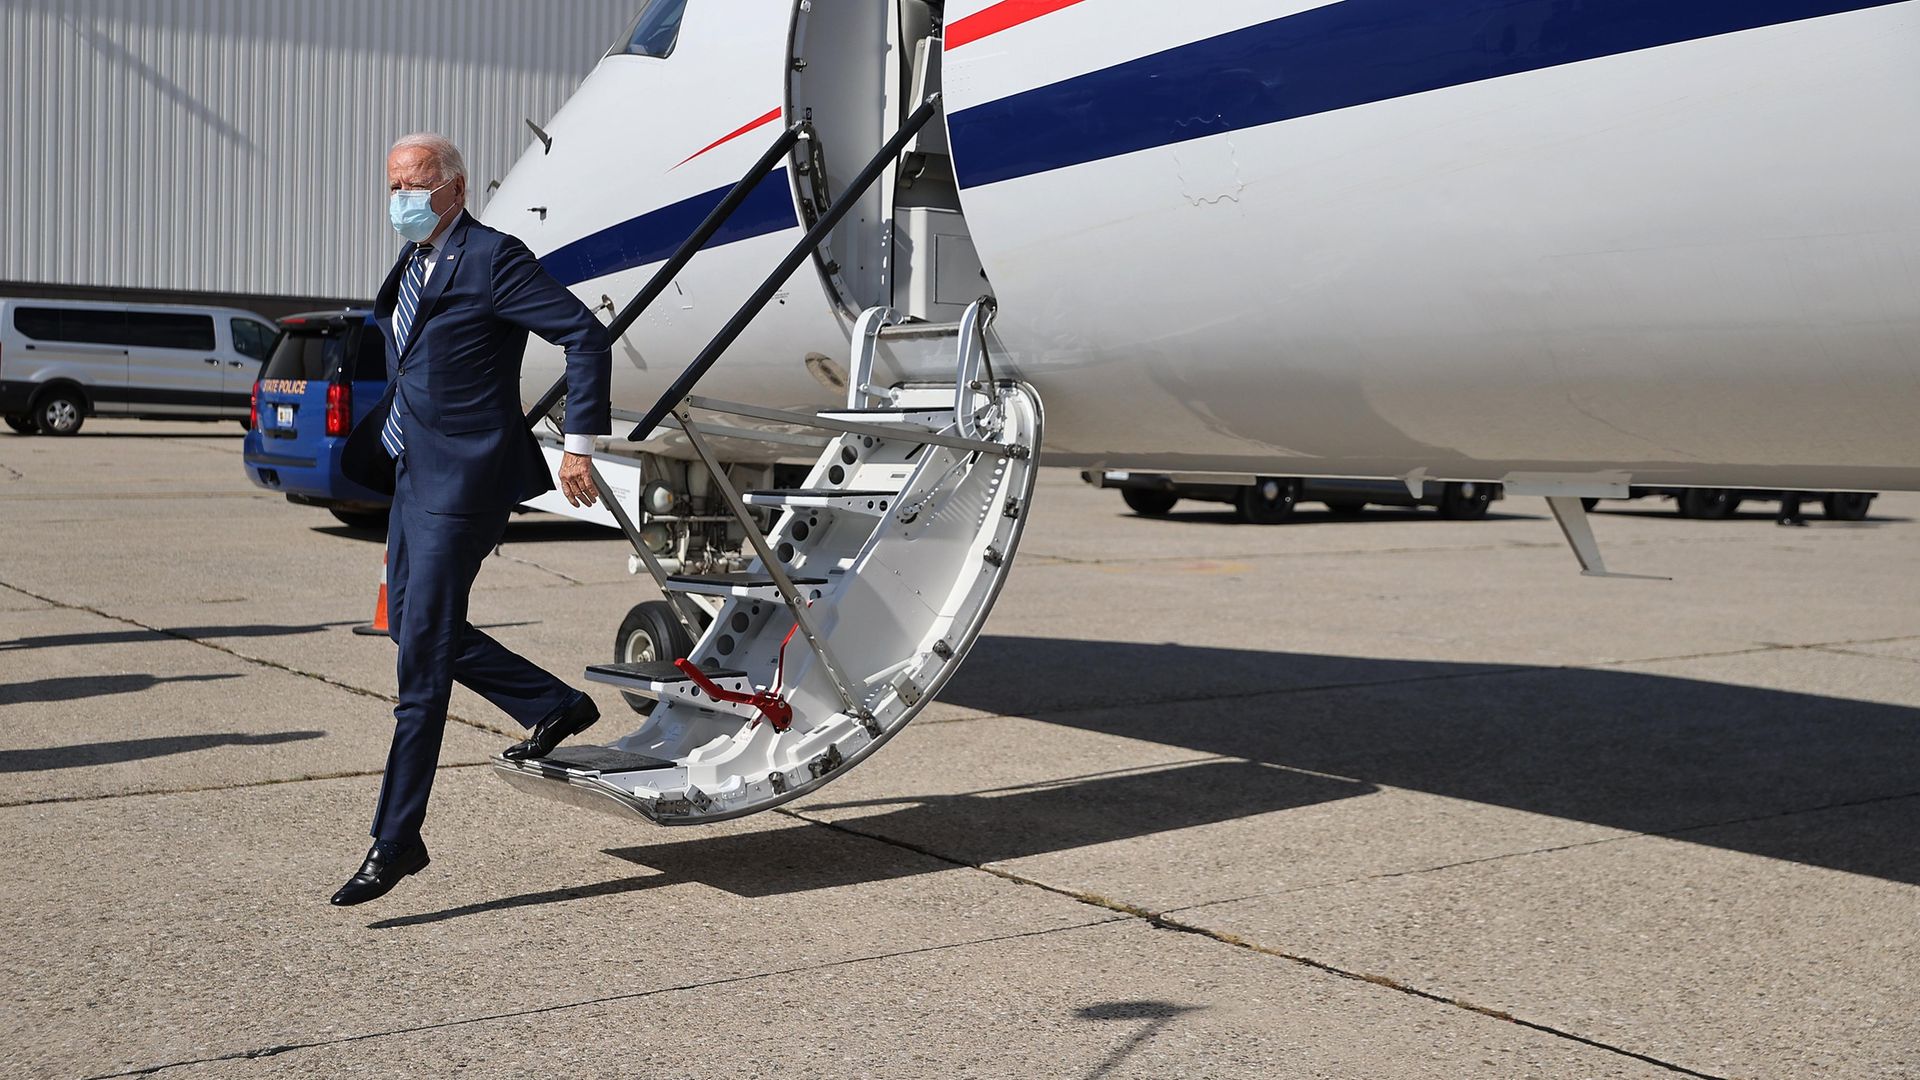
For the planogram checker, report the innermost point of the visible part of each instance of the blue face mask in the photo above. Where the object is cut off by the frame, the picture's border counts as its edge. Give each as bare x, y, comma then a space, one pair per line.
411, 212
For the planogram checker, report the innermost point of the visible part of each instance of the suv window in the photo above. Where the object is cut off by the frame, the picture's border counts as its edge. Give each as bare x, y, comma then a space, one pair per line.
321, 350
253, 339
655, 32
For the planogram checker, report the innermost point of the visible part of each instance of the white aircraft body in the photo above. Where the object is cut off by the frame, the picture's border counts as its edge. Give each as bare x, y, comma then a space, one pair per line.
1569, 247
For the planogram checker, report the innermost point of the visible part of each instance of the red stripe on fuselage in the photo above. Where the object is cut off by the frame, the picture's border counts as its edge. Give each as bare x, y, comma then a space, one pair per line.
734, 134
1002, 16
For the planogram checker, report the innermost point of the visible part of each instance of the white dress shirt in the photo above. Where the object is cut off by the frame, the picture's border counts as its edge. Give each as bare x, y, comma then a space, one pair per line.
573, 444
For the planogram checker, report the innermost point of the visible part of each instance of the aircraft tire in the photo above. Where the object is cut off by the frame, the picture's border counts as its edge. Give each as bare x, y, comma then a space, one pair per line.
649, 633
1149, 503
1346, 508
1268, 500
23, 424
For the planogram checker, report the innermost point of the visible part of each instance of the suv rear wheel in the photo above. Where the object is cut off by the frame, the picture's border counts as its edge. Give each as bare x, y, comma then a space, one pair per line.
59, 412
368, 520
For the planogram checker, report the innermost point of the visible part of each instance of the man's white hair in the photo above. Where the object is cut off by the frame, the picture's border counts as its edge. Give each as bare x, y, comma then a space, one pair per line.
442, 156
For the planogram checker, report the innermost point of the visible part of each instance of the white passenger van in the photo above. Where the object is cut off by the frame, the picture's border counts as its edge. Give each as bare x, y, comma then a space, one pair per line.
62, 361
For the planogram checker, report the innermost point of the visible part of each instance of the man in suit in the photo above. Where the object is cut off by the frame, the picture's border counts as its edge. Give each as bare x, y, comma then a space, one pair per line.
449, 442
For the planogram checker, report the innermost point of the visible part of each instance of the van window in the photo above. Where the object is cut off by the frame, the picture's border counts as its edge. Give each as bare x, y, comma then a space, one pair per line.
168, 330
99, 326
655, 32
253, 339
93, 326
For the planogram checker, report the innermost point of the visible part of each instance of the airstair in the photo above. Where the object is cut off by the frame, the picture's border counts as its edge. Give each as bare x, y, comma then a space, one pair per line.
867, 584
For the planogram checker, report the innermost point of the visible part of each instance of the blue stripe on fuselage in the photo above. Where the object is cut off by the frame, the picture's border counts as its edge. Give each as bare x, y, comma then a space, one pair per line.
653, 236
1334, 57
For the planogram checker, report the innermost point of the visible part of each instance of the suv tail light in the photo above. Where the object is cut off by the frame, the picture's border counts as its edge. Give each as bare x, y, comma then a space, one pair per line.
339, 408
253, 408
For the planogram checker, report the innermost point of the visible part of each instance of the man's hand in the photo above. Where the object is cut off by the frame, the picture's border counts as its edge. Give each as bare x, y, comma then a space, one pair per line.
576, 479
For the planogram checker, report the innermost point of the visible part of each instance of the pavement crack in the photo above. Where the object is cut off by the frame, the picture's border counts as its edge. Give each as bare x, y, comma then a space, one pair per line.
235, 653
704, 984
569, 579
1164, 920
240, 786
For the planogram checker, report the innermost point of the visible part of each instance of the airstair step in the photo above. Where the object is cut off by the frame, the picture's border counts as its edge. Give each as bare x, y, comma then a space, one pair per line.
911, 419
595, 759
752, 586
874, 503
650, 672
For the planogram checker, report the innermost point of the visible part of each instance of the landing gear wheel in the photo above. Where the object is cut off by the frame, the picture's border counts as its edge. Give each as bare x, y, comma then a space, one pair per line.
1589, 503
649, 633
23, 424
1847, 505
367, 520
59, 412
1346, 508
1465, 502
1147, 502
1708, 504
1268, 500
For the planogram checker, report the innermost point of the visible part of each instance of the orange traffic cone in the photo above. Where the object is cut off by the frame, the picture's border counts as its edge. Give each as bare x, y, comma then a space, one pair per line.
378, 627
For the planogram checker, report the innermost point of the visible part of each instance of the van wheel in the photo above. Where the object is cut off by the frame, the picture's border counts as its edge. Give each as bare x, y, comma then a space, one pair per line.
1268, 500
1708, 504
1147, 502
23, 424
59, 412
366, 520
649, 634
1847, 505
1465, 502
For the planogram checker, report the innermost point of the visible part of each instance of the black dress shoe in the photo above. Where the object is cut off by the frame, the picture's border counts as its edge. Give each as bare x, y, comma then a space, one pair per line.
381, 872
566, 722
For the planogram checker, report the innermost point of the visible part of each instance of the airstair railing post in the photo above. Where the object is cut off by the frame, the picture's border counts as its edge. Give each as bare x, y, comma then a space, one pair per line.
973, 332
781, 581
663, 277
855, 191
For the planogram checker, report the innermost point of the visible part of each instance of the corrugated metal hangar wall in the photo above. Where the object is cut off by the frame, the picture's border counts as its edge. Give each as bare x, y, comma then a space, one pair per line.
236, 148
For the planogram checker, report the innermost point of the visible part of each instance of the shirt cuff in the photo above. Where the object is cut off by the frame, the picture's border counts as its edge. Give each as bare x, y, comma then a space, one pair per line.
578, 444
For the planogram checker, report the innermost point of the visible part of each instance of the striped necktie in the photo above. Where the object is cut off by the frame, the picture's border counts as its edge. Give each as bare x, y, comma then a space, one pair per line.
407, 305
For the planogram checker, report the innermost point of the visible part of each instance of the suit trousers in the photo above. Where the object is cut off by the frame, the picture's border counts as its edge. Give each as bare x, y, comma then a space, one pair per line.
432, 560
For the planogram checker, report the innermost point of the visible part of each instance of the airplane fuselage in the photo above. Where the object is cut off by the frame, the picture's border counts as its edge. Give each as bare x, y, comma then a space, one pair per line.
1670, 243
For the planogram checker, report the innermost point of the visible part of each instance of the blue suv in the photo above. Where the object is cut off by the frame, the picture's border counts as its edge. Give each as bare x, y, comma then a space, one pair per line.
327, 371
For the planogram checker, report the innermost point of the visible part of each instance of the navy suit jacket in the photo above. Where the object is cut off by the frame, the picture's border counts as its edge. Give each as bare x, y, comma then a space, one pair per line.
468, 448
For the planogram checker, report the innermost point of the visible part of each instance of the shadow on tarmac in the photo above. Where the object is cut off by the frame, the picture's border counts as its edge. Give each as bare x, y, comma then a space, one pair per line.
531, 529
1823, 781
1158, 1016
134, 636
80, 687
1706, 762
124, 750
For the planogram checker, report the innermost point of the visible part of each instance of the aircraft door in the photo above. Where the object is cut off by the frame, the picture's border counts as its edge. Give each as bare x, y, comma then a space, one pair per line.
858, 71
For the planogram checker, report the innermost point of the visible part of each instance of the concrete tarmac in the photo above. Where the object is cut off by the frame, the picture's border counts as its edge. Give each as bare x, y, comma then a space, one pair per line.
1393, 797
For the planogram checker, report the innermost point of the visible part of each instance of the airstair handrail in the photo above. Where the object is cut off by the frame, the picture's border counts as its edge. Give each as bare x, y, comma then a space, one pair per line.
657, 284
868, 176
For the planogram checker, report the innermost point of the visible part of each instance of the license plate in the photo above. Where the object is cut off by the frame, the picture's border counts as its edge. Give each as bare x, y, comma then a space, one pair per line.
283, 415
